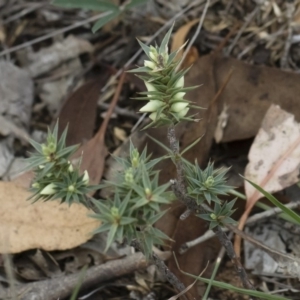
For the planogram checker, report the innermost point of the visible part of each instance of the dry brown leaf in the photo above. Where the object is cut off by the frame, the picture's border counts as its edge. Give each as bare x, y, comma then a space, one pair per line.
274, 158
250, 93
79, 112
191, 57
94, 151
49, 226
179, 37
195, 260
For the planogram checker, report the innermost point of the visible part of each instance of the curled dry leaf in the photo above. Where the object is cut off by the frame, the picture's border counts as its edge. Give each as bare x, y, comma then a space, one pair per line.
49, 226
179, 37
274, 158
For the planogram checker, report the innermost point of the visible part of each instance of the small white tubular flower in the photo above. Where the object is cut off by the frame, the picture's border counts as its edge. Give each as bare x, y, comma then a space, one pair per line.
154, 115
179, 96
180, 82
153, 53
150, 64
86, 177
70, 169
179, 106
151, 106
183, 112
48, 189
150, 87
35, 185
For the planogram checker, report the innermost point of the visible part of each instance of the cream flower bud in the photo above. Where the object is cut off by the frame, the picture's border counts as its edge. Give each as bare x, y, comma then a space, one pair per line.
180, 82
182, 113
36, 185
179, 106
150, 64
86, 177
151, 106
179, 96
48, 189
71, 188
153, 53
150, 87
154, 114
70, 168
165, 55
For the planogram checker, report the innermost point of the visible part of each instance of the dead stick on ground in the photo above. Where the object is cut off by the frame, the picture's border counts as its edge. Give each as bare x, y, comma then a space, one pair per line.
61, 287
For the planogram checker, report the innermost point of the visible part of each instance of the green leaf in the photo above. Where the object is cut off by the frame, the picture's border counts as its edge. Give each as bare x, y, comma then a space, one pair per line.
111, 236
140, 203
165, 40
139, 70
87, 4
67, 151
104, 20
230, 287
144, 47
152, 220
127, 220
124, 203
134, 3
55, 131
79, 283
191, 145
36, 145
285, 209
159, 143
62, 141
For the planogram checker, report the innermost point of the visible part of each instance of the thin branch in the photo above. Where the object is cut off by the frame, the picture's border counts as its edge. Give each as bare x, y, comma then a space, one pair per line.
162, 267
253, 219
180, 190
227, 244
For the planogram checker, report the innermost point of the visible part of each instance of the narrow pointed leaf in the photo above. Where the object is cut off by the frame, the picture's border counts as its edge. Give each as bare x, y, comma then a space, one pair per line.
104, 20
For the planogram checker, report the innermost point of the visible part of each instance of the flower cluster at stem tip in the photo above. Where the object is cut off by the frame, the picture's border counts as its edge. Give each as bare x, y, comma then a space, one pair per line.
55, 176
165, 85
